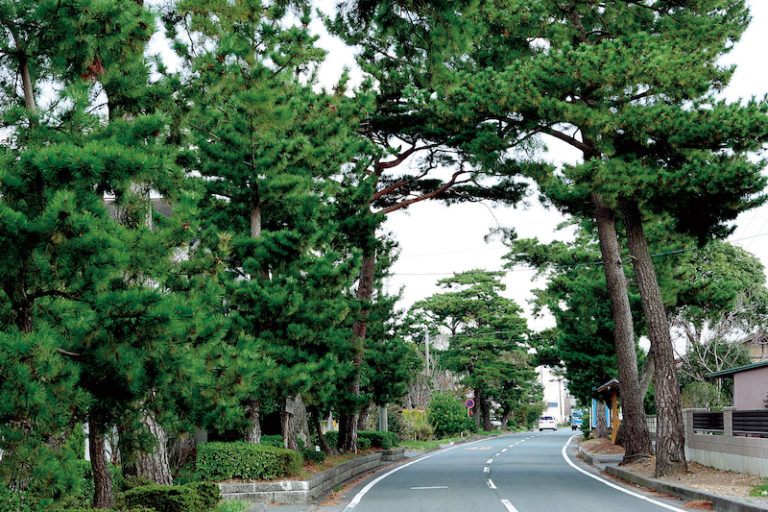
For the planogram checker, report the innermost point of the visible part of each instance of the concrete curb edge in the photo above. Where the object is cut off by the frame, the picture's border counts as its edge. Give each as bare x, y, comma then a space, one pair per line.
720, 503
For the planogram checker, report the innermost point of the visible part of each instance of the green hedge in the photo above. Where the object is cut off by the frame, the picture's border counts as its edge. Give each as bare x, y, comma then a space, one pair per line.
363, 443
385, 440
142, 509
332, 438
194, 497
314, 456
222, 461
273, 440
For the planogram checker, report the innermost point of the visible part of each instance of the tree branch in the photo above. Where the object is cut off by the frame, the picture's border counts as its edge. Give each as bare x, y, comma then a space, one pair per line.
453, 181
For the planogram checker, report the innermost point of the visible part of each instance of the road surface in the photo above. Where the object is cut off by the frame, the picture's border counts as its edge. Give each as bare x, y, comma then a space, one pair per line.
529, 472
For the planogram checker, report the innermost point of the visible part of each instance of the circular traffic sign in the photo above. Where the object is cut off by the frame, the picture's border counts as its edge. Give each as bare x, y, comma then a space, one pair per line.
469, 403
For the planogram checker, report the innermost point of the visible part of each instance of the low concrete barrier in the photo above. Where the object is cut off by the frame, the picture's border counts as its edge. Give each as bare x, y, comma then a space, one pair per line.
304, 491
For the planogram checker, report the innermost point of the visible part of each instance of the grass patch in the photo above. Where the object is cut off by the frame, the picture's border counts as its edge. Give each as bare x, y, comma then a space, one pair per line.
232, 506
760, 490
427, 445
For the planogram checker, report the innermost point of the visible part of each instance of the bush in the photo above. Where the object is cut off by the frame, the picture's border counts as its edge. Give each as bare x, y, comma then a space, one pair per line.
418, 427
586, 427
332, 438
140, 509
447, 415
169, 498
363, 443
313, 456
385, 440
194, 497
276, 441
221, 461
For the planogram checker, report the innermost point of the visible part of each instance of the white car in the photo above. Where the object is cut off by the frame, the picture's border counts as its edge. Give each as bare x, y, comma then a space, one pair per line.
547, 422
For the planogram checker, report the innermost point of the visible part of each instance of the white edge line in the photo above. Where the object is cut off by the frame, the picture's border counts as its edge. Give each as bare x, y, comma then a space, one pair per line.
491, 484
509, 506
611, 484
359, 496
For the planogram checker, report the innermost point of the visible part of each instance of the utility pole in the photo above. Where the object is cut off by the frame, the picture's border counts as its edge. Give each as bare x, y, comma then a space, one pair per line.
426, 349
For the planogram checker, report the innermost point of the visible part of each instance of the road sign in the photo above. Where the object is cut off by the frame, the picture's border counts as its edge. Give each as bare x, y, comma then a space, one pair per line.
469, 403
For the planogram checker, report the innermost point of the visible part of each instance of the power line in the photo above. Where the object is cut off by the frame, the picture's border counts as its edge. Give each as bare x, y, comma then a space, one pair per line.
587, 264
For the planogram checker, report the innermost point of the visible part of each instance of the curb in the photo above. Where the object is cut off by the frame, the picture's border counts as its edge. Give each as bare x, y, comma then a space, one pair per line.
720, 503
598, 458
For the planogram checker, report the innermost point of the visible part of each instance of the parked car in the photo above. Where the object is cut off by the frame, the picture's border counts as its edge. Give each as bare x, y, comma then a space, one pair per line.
547, 422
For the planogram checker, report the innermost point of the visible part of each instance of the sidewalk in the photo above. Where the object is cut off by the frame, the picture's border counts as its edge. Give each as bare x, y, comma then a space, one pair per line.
725, 490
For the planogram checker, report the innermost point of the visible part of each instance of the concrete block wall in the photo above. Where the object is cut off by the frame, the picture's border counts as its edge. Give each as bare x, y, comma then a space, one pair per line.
304, 491
725, 451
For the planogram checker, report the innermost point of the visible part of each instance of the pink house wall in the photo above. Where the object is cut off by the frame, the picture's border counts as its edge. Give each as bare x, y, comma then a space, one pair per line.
750, 389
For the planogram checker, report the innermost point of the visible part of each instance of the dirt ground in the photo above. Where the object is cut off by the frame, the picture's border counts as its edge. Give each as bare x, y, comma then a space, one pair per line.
703, 478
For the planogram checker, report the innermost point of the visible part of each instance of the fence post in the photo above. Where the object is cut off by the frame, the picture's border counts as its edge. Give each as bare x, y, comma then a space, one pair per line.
728, 421
688, 422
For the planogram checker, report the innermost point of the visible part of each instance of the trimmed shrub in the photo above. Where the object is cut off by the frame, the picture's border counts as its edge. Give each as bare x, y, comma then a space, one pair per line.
164, 498
222, 461
363, 443
194, 497
314, 456
273, 440
140, 509
332, 438
278, 442
208, 492
385, 440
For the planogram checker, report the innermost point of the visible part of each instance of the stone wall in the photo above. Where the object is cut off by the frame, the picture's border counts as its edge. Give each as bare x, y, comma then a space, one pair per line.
304, 491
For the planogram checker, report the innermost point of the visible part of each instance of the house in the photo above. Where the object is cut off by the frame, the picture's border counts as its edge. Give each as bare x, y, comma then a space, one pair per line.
750, 385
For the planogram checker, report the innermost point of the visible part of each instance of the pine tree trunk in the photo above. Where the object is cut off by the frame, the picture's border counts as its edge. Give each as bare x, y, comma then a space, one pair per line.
362, 420
26, 82
288, 427
646, 375
505, 418
602, 422
670, 434
347, 433
155, 465
348, 436
634, 426
253, 435
102, 478
477, 408
486, 407
314, 414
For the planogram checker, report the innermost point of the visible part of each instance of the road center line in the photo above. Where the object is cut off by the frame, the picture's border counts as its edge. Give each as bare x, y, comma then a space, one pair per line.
509, 506
359, 496
504, 450
611, 484
429, 487
489, 461
491, 484
486, 469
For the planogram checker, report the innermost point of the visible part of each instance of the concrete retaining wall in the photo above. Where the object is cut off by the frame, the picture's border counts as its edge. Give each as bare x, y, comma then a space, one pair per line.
300, 491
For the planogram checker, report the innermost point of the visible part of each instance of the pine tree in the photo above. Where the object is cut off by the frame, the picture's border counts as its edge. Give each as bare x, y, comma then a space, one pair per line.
488, 336
270, 149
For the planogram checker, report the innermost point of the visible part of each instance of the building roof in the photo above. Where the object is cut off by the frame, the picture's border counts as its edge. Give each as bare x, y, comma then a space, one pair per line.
738, 369
608, 385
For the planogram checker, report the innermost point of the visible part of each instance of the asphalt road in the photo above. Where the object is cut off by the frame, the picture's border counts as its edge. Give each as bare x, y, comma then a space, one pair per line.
516, 473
